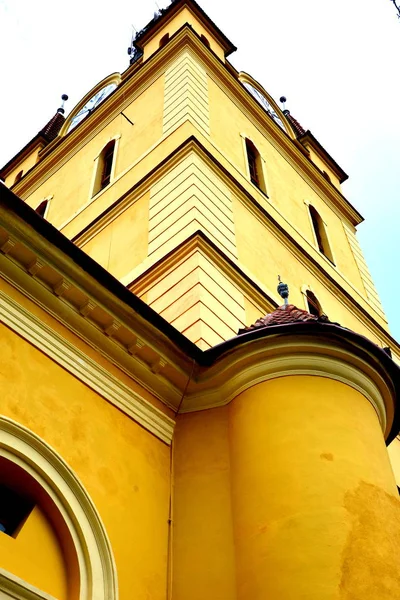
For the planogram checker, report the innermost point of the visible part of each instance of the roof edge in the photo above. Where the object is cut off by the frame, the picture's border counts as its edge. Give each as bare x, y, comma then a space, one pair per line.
309, 137
334, 332
167, 13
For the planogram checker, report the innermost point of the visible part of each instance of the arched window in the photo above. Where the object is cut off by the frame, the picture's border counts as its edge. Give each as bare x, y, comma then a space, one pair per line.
255, 165
320, 234
18, 177
42, 208
104, 167
314, 307
32, 471
163, 40
205, 40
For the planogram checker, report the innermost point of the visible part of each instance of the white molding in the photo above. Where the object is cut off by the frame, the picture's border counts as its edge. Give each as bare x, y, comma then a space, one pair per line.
97, 569
40, 335
260, 361
15, 588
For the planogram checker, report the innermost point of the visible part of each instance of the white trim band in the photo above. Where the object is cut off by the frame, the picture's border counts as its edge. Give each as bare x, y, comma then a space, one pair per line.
40, 335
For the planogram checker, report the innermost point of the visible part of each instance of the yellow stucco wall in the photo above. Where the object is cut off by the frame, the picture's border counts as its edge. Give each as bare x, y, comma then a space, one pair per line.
314, 502
181, 18
394, 455
287, 188
189, 100
80, 344
203, 547
286, 492
72, 184
24, 164
123, 467
270, 257
321, 164
122, 245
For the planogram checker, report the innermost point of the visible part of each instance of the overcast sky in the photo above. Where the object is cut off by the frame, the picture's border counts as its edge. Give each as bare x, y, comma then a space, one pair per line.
336, 62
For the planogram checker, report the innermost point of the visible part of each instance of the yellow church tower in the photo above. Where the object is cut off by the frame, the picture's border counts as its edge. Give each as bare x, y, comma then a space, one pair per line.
197, 375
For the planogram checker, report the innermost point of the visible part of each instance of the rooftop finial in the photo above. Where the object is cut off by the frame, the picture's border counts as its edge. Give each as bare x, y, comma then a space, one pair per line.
133, 52
64, 98
283, 291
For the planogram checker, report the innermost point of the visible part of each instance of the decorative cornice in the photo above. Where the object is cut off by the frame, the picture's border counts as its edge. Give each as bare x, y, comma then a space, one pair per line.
92, 304
281, 356
199, 241
152, 352
85, 369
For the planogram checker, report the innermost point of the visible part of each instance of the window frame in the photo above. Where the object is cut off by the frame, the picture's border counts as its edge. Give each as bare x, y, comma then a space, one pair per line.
307, 289
96, 187
320, 233
252, 152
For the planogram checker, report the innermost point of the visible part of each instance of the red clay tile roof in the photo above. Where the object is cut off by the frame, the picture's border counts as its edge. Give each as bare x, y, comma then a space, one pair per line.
282, 316
297, 128
51, 130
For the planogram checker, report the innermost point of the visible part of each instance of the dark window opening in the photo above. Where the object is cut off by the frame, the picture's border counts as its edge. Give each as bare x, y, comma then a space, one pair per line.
255, 168
205, 40
18, 177
164, 40
252, 160
104, 168
14, 510
107, 165
320, 234
314, 307
41, 209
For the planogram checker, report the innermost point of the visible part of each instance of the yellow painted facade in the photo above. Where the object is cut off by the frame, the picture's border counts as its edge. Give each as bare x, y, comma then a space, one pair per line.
169, 457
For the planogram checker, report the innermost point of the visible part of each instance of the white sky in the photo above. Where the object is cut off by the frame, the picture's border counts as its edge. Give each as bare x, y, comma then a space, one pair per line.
336, 62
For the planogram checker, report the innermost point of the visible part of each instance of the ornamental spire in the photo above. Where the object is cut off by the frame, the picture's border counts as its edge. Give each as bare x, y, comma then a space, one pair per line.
283, 291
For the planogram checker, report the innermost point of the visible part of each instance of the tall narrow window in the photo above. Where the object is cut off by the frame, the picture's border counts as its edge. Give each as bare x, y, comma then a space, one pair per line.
104, 167
314, 307
255, 165
18, 177
164, 40
41, 209
320, 234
